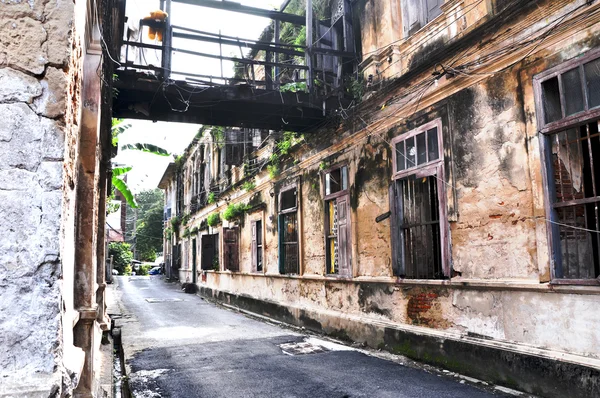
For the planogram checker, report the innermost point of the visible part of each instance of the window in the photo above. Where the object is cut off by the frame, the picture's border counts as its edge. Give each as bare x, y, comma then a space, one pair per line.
575, 198
417, 205
210, 252
418, 13
289, 262
567, 92
337, 222
568, 105
234, 147
231, 258
257, 246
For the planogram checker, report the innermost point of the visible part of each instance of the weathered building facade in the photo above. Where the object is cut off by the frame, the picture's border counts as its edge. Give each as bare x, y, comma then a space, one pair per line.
55, 146
451, 216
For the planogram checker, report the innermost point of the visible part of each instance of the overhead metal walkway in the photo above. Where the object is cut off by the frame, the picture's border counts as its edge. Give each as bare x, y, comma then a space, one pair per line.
278, 86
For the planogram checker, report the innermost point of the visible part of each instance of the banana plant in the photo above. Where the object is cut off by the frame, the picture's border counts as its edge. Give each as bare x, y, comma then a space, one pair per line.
148, 148
118, 128
120, 185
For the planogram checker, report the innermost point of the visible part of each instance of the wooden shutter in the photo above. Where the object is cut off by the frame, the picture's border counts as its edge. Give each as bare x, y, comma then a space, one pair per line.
433, 8
412, 16
230, 249
344, 246
254, 247
396, 234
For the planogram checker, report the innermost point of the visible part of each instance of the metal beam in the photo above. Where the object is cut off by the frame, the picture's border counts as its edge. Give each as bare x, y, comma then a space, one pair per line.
237, 7
284, 5
238, 39
241, 60
229, 42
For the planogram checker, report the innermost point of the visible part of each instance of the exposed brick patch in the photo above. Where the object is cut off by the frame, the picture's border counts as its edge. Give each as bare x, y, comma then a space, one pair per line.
424, 309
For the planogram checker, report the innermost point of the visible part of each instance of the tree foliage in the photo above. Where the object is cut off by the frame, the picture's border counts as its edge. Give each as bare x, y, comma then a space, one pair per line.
121, 254
149, 224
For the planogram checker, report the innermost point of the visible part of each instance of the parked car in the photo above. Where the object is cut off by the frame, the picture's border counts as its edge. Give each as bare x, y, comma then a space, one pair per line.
154, 271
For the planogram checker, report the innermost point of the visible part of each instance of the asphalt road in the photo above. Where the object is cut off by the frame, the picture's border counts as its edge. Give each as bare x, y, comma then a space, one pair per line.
178, 345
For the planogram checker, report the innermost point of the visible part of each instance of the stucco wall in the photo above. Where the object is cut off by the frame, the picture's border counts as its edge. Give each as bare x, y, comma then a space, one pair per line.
498, 291
38, 109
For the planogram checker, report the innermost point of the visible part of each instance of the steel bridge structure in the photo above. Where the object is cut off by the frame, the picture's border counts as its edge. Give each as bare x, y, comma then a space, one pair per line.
288, 87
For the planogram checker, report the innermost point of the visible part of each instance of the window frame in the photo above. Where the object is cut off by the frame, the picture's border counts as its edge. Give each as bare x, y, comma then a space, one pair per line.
333, 197
545, 133
569, 121
437, 170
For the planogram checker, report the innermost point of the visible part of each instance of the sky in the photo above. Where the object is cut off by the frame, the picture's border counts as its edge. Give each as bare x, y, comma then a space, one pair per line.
175, 137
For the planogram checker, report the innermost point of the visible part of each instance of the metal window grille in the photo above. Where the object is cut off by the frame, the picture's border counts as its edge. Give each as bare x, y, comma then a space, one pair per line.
575, 198
289, 241
419, 227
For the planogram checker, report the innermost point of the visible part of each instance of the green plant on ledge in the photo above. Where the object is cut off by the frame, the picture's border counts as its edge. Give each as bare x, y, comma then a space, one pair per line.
194, 230
215, 263
175, 223
185, 218
234, 211
186, 233
212, 198
274, 170
213, 219
249, 185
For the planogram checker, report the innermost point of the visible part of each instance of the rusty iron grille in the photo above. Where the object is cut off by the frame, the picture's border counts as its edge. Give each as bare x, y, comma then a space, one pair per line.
419, 224
574, 175
289, 241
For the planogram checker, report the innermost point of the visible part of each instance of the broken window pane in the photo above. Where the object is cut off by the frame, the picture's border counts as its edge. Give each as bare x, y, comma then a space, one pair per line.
411, 153
432, 144
421, 149
288, 199
592, 79
573, 92
551, 99
336, 180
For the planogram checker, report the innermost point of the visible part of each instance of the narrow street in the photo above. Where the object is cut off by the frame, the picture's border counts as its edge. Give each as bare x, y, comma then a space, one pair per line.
178, 345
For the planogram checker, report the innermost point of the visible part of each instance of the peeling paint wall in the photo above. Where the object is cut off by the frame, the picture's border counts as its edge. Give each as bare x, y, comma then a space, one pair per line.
498, 291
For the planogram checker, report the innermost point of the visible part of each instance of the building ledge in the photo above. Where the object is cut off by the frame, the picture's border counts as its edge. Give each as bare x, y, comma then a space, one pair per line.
454, 283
